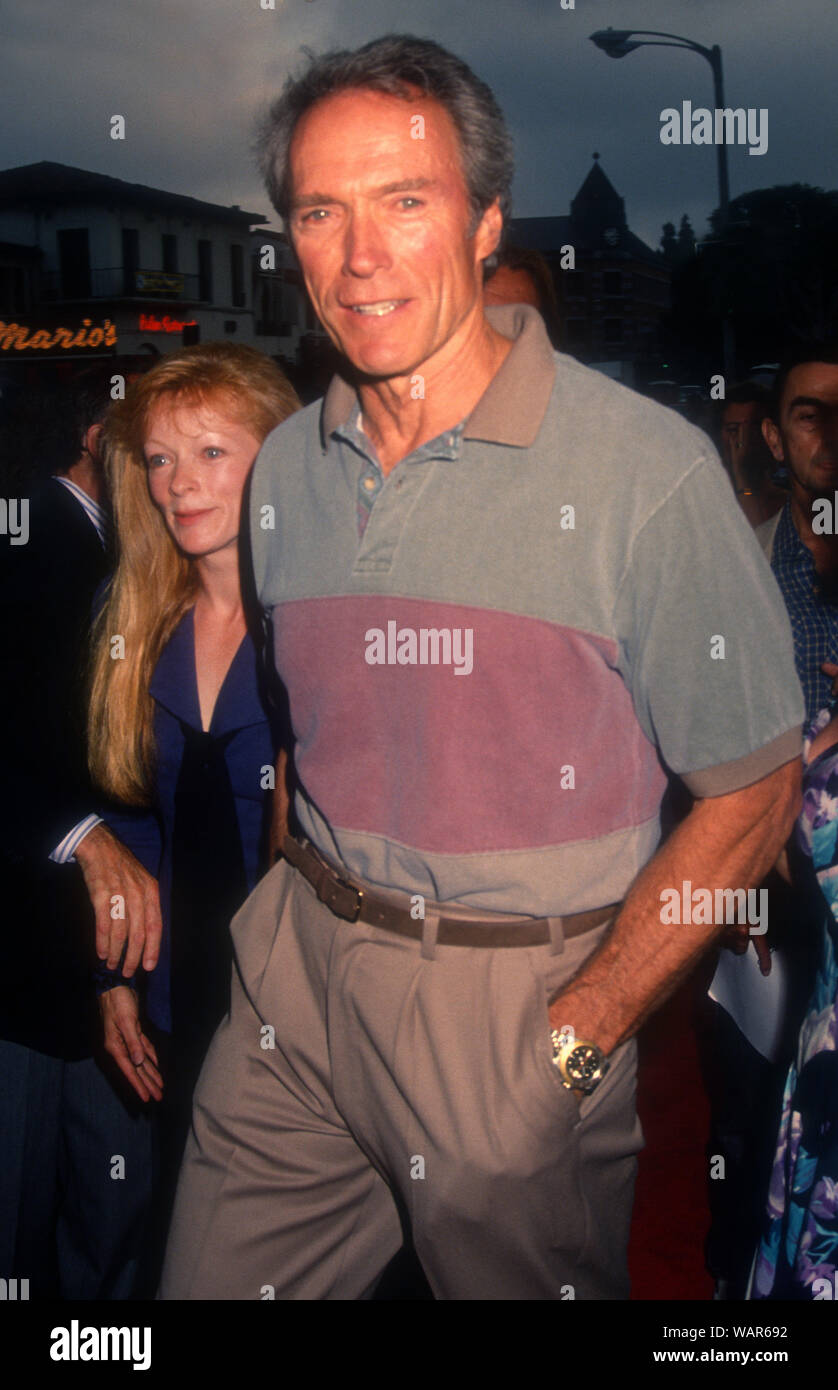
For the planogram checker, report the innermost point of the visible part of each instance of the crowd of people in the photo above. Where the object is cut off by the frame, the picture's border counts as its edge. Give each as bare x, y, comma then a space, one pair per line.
319, 967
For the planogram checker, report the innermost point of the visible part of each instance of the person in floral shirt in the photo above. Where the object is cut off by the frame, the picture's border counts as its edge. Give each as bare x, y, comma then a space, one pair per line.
800, 1239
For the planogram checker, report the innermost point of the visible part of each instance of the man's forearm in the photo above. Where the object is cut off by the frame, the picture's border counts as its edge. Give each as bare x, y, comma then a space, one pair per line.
725, 842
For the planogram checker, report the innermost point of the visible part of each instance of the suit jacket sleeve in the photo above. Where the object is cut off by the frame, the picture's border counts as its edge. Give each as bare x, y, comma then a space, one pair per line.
46, 591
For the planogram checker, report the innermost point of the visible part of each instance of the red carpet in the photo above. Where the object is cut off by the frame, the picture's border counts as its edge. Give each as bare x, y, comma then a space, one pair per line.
671, 1217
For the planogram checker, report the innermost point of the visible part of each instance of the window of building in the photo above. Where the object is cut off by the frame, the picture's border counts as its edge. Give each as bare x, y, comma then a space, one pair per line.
169, 253
574, 283
613, 330
13, 290
612, 282
270, 306
130, 258
575, 330
205, 271
74, 262
237, 276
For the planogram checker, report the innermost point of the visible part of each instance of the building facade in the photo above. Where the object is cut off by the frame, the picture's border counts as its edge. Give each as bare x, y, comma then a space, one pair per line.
613, 290
282, 308
93, 265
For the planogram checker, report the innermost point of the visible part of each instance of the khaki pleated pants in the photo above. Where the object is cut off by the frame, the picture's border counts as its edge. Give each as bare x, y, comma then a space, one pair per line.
363, 1079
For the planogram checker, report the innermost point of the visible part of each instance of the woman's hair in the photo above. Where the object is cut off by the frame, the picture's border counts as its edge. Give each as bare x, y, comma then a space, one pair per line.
154, 583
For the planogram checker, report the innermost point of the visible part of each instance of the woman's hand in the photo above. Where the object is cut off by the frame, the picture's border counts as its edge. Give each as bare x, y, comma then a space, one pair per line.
126, 1042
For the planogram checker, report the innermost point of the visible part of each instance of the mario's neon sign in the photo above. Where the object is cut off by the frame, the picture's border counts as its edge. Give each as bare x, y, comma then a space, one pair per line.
149, 323
16, 337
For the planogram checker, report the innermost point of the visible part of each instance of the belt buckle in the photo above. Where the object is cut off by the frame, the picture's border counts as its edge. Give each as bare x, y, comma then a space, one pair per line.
329, 894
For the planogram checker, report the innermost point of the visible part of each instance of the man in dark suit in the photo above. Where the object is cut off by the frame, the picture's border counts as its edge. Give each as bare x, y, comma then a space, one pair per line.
74, 1152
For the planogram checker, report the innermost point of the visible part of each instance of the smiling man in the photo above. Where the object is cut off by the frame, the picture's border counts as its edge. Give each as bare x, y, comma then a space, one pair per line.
437, 989
386, 260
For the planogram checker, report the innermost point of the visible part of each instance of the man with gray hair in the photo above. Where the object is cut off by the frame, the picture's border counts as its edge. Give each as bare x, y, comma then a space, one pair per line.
437, 987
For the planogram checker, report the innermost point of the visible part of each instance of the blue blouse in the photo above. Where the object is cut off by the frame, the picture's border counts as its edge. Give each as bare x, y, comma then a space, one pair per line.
240, 712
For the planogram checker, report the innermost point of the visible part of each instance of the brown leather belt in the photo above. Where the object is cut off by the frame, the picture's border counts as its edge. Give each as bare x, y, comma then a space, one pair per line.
354, 902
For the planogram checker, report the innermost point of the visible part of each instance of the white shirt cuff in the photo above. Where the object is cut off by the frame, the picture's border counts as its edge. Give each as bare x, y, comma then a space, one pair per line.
65, 852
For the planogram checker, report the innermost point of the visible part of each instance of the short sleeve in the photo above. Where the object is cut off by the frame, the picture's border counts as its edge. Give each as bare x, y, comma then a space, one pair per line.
705, 642
262, 531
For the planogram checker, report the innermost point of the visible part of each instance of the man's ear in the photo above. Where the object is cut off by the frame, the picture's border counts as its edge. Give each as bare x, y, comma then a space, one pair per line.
91, 440
771, 435
489, 229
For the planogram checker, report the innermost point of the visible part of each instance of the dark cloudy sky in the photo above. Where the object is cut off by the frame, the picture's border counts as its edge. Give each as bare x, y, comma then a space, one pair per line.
188, 76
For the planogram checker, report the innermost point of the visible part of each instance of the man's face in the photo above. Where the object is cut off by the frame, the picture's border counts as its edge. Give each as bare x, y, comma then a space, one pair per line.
807, 437
380, 224
741, 422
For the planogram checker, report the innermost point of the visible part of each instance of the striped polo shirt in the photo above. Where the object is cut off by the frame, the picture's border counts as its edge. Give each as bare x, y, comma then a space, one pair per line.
492, 652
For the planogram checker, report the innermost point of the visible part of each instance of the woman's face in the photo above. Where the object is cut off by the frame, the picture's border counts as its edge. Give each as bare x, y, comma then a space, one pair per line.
198, 460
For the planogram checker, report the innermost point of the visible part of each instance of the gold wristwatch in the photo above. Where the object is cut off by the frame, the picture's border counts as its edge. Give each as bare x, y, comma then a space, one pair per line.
581, 1065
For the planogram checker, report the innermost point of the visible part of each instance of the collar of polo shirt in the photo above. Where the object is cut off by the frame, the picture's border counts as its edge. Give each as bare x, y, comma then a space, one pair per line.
512, 407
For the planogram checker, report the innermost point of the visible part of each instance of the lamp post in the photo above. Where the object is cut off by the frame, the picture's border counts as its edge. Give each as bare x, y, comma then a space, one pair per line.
617, 43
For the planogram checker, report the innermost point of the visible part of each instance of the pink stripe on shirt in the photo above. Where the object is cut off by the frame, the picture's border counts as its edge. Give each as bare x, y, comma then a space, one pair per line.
460, 764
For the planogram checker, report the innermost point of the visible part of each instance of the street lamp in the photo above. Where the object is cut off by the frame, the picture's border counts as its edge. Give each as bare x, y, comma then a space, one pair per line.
618, 42
615, 42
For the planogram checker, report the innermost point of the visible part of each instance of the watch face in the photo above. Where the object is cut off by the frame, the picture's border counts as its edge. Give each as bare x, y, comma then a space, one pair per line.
583, 1064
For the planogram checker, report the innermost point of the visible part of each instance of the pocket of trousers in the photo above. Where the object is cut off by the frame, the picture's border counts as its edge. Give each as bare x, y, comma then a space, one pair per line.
620, 1061
543, 1047
563, 1120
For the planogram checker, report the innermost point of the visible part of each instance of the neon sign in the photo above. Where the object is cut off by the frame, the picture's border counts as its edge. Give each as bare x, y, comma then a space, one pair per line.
16, 336
149, 323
